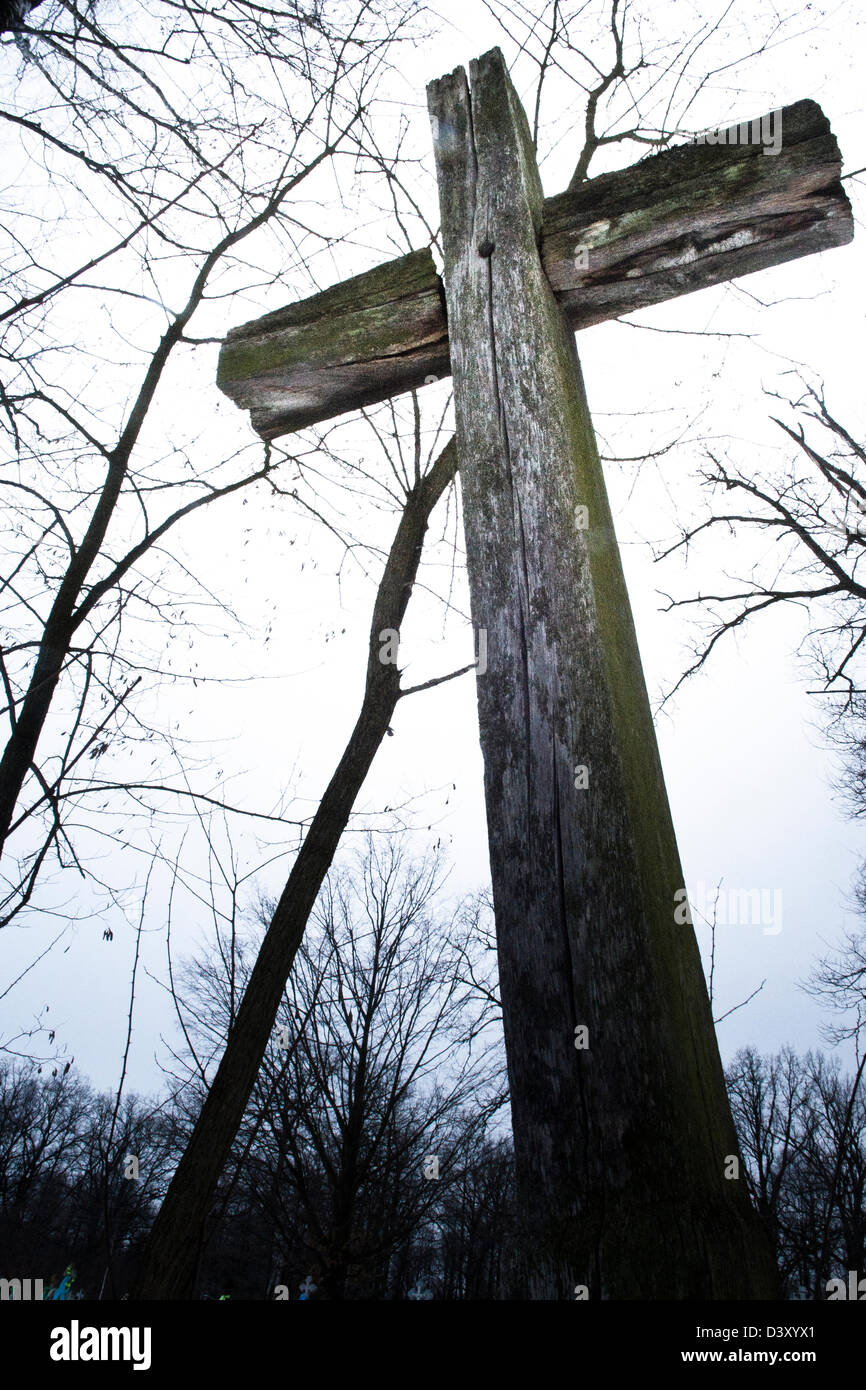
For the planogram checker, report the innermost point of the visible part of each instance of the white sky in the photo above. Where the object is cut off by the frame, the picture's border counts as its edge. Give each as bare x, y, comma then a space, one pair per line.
747, 775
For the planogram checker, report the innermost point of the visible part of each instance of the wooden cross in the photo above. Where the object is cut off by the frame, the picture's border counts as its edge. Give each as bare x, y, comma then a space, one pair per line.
627, 1161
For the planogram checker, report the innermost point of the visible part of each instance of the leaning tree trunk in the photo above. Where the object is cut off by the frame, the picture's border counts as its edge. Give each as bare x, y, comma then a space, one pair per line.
168, 1266
623, 1135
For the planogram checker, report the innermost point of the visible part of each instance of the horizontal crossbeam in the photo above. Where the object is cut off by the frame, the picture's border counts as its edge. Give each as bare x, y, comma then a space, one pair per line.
693, 216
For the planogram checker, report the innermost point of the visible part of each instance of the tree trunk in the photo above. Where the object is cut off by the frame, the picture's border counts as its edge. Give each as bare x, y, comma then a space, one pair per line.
168, 1263
622, 1144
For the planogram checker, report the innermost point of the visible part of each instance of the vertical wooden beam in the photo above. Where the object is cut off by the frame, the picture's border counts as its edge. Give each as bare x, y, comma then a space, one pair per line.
621, 1145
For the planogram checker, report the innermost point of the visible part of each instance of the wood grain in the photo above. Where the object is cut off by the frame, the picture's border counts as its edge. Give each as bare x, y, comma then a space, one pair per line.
620, 1147
680, 221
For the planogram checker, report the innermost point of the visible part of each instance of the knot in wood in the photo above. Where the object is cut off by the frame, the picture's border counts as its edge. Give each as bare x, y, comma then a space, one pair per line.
486, 247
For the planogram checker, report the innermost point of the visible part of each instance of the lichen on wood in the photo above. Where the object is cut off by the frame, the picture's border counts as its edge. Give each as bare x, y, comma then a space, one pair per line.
359, 342
679, 221
695, 216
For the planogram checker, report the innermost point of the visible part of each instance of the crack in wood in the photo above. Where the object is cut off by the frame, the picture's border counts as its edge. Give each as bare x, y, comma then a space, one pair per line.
617, 1151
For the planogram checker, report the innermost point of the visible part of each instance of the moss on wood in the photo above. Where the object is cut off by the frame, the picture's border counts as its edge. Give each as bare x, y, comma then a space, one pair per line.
682, 220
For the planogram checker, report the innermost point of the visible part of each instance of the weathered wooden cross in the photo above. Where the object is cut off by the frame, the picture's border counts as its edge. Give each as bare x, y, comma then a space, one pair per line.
627, 1159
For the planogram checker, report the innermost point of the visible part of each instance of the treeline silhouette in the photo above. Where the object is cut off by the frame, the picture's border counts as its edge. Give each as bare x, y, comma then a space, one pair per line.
65, 1199
374, 1160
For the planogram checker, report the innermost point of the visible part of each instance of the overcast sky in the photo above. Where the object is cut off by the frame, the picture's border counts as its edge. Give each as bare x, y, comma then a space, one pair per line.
748, 775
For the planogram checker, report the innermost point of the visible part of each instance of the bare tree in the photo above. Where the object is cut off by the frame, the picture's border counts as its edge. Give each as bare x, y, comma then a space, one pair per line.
813, 511
168, 1266
609, 73
377, 1083
839, 980
476, 1227
69, 1160
770, 1105
152, 197
801, 1124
